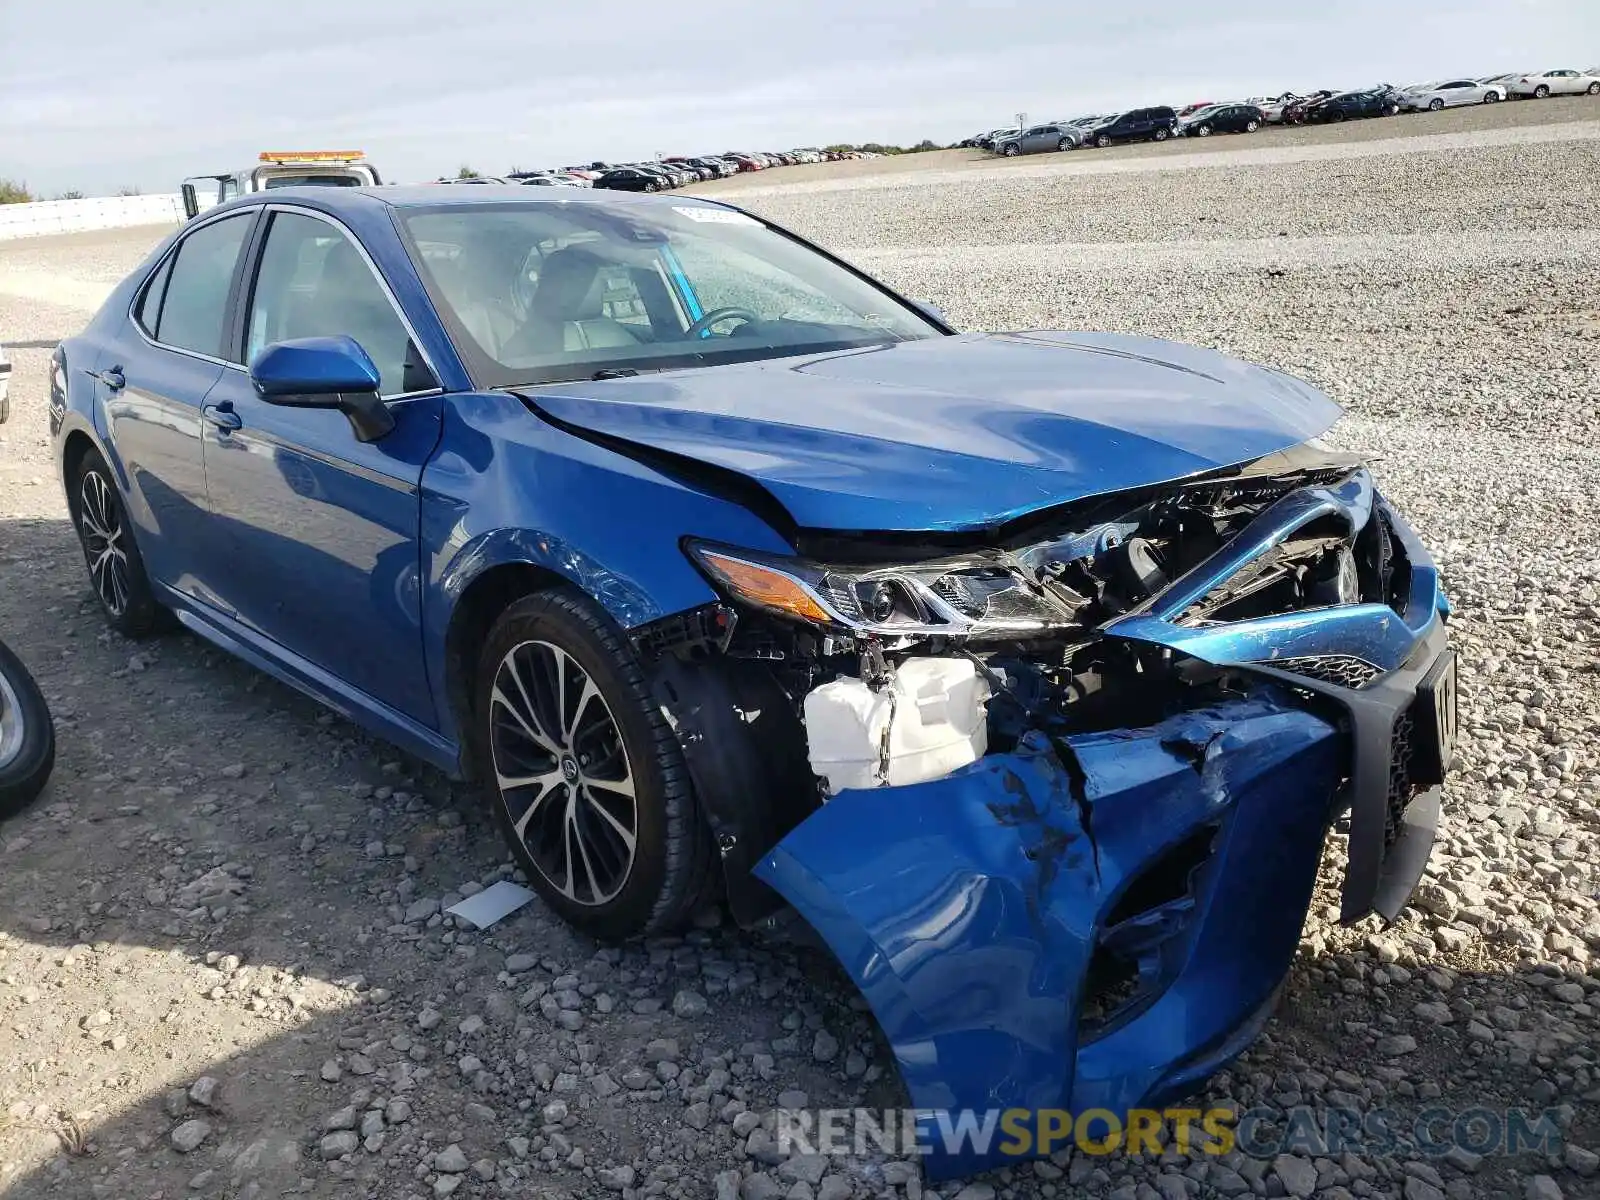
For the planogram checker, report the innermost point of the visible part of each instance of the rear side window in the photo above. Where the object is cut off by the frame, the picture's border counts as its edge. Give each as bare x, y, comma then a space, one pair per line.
148, 313
193, 309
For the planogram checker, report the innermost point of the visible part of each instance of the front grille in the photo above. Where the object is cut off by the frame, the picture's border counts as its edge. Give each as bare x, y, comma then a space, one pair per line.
1402, 788
1343, 670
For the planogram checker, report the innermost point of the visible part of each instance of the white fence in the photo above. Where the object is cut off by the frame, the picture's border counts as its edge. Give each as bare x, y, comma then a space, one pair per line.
106, 212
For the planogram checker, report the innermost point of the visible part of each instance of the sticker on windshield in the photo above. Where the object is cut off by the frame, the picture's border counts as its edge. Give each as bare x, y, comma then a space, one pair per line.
715, 216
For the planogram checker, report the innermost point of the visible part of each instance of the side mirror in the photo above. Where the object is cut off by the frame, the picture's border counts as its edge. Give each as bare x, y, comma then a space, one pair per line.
324, 372
932, 311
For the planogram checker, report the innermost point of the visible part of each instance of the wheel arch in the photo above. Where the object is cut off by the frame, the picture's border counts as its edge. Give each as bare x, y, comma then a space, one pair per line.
477, 608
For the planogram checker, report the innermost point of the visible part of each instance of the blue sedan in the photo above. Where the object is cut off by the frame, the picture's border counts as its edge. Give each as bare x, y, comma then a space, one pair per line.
1030, 668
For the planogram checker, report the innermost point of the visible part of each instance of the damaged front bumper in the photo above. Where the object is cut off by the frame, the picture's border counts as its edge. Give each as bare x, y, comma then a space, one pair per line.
1173, 864
1102, 920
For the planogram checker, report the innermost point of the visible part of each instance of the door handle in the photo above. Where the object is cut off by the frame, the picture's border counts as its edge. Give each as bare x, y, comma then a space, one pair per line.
222, 416
113, 378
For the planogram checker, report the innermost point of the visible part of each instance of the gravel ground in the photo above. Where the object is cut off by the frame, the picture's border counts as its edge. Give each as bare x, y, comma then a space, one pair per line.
222, 968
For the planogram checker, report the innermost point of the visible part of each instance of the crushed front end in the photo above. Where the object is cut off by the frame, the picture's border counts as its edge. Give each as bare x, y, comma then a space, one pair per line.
1056, 799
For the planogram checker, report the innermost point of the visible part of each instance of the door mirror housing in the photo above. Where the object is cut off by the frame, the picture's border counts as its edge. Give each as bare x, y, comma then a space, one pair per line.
932, 311
324, 372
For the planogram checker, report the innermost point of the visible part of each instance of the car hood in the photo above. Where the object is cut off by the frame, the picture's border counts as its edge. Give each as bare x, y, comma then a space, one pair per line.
953, 433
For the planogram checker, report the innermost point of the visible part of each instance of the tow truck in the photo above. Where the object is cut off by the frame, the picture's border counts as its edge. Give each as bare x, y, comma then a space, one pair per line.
280, 168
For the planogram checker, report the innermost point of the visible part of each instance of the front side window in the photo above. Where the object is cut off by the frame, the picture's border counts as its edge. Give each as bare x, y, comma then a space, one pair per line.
196, 299
313, 282
537, 292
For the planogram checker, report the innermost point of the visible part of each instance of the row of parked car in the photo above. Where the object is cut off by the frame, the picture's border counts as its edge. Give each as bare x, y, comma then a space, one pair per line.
671, 172
1204, 118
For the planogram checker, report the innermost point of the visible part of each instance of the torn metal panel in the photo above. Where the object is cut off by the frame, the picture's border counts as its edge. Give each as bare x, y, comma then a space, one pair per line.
994, 900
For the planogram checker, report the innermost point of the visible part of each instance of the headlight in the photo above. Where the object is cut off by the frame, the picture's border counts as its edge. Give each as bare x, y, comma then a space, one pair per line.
960, 597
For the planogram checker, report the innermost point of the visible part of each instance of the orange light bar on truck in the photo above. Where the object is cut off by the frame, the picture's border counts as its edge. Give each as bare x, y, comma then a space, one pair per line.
283, 156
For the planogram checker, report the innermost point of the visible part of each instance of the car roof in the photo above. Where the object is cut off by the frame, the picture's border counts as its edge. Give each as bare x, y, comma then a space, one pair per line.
339, 201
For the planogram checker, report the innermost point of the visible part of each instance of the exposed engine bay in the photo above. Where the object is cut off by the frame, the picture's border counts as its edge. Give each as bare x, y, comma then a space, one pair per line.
894, 660
1019, 622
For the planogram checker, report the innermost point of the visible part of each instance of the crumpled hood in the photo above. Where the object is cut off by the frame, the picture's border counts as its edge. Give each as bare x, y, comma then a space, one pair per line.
956, 433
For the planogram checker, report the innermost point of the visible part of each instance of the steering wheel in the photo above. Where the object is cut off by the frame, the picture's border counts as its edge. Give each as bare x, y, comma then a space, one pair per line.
716, 316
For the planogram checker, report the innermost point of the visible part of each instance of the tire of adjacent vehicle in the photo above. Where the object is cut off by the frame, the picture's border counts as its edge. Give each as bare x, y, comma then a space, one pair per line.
26, 765
674, 865
142, 614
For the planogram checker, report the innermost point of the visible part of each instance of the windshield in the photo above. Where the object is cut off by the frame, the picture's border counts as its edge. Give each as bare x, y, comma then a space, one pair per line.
539, 292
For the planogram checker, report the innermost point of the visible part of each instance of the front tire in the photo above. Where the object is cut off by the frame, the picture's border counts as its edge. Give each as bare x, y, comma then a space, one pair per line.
1435, 104
585, 776
1102, 141
27, 736
1492, 98
1251, 126
1594, 89
1203, 131
1541, 92
1066, 144
116, 568
1012, 150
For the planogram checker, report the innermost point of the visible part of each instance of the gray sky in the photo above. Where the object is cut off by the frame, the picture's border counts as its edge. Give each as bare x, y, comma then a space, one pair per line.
101, 94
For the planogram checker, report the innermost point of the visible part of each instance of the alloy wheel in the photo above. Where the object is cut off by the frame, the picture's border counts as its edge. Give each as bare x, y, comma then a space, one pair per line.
562, 772
100, 526
12, 728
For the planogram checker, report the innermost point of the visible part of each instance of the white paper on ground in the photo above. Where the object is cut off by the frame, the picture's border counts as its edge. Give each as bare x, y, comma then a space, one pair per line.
494, 903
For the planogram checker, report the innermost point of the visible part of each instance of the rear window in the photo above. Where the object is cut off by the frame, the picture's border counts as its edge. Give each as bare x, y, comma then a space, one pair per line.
311, 180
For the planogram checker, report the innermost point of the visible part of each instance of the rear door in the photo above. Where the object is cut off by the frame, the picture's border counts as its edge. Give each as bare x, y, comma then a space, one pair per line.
322, 529
152, 388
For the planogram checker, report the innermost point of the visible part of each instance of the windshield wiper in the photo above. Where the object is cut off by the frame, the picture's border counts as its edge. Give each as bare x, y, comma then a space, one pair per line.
614, 373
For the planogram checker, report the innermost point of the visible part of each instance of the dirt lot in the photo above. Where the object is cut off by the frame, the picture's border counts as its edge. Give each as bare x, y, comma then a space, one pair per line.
223, 973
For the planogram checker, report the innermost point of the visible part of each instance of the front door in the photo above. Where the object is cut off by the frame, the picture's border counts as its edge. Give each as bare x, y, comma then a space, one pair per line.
151, 389
322, 527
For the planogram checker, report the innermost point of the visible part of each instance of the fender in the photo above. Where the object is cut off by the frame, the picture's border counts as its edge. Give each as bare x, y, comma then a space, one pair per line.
501, 490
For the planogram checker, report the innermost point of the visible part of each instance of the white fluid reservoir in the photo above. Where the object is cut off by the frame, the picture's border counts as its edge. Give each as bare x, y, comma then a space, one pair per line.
923, 724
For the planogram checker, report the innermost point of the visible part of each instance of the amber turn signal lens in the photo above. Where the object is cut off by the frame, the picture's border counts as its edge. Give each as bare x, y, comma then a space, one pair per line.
766, 586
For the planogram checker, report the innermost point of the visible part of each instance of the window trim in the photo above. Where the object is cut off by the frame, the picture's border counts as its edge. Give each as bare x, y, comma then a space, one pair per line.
251, 215
247, 290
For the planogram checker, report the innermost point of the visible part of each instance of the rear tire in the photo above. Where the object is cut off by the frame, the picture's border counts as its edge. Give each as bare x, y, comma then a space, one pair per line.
116, 568
605, 822
1161, 135
27, 736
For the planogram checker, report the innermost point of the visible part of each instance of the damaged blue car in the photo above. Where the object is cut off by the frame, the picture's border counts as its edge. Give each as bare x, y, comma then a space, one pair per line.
1032, 669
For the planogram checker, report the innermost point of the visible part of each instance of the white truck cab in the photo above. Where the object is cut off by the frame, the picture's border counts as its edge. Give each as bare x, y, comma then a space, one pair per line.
276, 169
